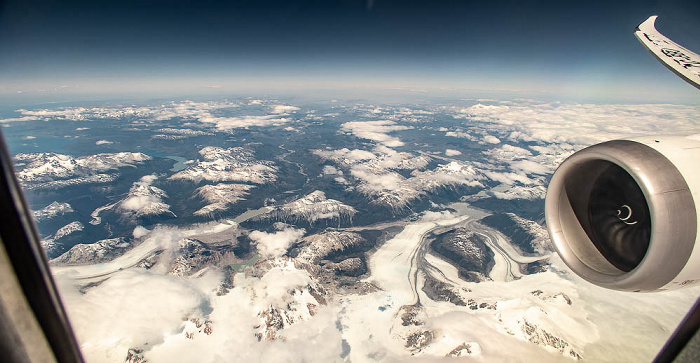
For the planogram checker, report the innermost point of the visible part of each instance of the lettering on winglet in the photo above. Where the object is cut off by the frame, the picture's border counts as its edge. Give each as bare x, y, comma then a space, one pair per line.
682, 59
655, 40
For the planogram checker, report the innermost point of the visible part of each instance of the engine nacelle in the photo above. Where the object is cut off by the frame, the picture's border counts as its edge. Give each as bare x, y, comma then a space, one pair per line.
622, 214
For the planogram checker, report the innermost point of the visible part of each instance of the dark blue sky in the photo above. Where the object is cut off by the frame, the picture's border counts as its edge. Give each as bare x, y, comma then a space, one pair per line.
575, 51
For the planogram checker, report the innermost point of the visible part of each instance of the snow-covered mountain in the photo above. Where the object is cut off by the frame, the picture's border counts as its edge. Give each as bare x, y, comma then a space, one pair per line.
395, 191
87, 113
52, 210
144, 199
316, 247
221, 196
231, 164
378, 174
310, 208
192, 255
543, 324
540, 237
325, 272
57, 184
49, 243
468, 252
169, 133
185, 131
45, 167
380, 159
289, 295
92, 253
450, 174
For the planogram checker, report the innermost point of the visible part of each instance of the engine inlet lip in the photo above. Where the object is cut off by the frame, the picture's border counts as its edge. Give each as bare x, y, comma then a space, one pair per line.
665, 190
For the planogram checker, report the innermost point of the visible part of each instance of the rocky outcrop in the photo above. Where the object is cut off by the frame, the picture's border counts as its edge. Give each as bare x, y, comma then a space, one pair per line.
535, 325
135, 355
419, 340
559, 297
467, 251
192, 255
465, 349
539, 336
527, 235
440, 291
352, 267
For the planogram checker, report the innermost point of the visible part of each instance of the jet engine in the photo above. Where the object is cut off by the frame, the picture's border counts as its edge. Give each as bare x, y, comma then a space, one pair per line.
622, 214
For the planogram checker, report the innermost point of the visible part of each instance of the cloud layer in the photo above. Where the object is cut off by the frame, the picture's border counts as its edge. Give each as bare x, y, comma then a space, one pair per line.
275, 244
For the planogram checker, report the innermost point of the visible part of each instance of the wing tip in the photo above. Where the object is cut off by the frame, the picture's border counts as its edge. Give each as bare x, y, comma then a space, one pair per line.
650, 22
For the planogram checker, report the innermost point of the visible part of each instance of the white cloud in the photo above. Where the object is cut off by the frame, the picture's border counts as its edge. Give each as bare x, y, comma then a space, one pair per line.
378, 182
236, 316
459, 134
508, 178
583, 124
276, 244
132, 308
149, 179
205, 112
139, 202
430, 216
278, 109
379, 160
275, 285
140, 231
227, 123
19, 119
103, 142
530, 167
137, 307
492, 139
346, 157
452, 152
331, 170
357, 155
375, 131
553, 131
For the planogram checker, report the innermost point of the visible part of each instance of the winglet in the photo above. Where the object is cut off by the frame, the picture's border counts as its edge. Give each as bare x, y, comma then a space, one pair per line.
681, 61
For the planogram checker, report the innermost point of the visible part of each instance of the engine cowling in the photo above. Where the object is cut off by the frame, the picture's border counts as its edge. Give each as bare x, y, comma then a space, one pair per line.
622, 214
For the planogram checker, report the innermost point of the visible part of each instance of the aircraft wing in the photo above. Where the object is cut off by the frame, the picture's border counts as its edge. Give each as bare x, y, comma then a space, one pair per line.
681, 61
